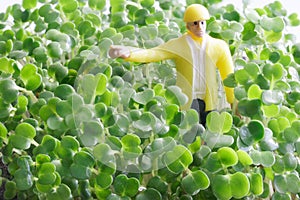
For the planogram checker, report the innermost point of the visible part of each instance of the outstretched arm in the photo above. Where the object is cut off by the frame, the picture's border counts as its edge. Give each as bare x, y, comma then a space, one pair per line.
140, 55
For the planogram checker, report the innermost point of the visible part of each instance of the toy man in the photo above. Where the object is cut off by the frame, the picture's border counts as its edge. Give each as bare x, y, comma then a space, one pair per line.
197, 57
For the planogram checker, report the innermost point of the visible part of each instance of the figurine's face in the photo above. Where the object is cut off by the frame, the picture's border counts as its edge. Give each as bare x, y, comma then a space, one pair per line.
198, 28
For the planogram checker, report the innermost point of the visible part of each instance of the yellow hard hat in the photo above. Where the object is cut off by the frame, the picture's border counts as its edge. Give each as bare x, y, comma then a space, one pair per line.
195, 12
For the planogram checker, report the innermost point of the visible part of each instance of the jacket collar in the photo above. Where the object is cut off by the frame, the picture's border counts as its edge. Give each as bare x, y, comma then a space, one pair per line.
194, 37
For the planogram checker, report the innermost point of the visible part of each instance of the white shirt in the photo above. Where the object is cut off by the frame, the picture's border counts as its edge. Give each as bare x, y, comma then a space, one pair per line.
198, 55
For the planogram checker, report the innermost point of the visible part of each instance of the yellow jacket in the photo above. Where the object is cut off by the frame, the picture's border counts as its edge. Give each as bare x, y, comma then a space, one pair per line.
217, 56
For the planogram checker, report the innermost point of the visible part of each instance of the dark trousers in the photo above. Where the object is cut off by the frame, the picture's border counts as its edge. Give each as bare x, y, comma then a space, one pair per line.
199, 106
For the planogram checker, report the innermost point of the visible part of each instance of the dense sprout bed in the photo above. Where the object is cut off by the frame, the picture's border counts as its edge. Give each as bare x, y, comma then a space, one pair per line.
75, 124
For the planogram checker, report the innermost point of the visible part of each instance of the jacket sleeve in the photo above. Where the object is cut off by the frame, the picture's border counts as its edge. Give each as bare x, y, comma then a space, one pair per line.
149, 55
226, 67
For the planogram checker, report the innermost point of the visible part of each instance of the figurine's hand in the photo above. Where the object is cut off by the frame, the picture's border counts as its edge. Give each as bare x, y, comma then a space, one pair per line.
117, 51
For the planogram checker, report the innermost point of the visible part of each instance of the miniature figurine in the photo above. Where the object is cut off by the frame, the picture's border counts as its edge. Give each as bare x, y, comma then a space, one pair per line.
197, 57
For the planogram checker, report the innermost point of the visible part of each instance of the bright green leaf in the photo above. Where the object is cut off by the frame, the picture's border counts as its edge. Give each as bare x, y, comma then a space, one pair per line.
195, 182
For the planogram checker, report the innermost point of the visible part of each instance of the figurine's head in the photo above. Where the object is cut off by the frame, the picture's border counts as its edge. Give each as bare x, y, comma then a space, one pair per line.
195, 17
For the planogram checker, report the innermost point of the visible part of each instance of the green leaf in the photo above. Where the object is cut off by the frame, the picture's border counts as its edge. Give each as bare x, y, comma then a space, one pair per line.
26, 130
294, 20
256, 184
140, 16
46, 174
69, 6
273, 72
64, 108
105, 44
271, 110
280, 184
80, 172
92, 85
147, 3
273, 37
214, 26
42, 158
104, 180
84, 159
54, 50
64, 91
175, 95
130, 140
293, 182
240, 93
3, 131
8, 90
158, 184
57, 36
249, 108
268, 143
92, 132
29, 4
30, 77
3, 48
149, 32
149, 193
195, 181
191, 135
224, 122
97, 4
254, 132
40, 54
279, 124
232, 16
239, 184
252, 69
190, 119
289, 162
24, 133
126, 186
104, 154
221, 187
51, 17
296, 52
178, 159
20, 142
23, 179
229, 81
6, 65
61, 192
43, 188
86, 29
280, 196
160, 146
144, 96
146, 122
227, 156
10, 190
290, 135
242, 76
265, 158
275, 24
30, 44
130, 145
244, 158
215, 140
254, 92
249, 31
252, 15
70, 142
